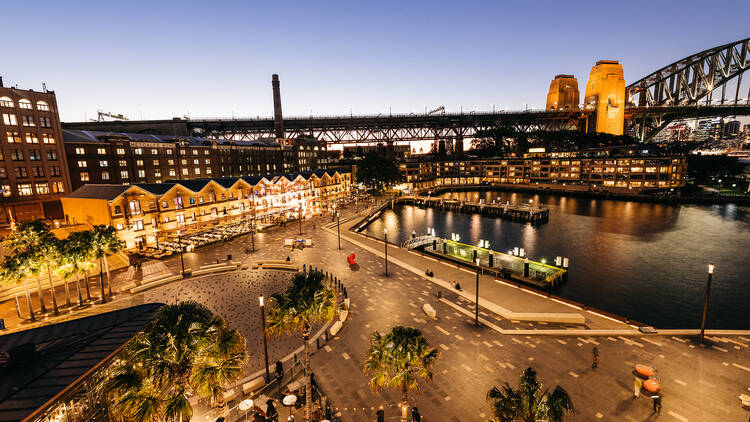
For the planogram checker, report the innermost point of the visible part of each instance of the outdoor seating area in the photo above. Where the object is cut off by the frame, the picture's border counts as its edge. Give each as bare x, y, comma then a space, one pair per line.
189, 241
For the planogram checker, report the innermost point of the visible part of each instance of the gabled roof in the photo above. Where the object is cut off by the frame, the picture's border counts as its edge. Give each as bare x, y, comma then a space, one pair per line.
54, 356
99, 191
195, 185
157, 189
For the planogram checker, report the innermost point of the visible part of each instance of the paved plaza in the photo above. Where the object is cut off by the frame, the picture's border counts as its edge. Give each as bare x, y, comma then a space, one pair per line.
699, 383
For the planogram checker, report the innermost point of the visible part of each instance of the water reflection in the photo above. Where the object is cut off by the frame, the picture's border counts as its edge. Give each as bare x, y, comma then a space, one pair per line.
640, 260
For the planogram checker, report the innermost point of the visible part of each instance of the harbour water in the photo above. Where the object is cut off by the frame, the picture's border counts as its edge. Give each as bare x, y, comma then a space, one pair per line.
644, 261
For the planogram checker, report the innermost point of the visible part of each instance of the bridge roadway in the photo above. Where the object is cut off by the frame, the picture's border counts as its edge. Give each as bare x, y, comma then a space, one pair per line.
406, 127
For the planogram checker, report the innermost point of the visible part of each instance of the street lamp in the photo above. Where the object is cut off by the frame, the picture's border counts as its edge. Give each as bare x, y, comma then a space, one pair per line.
252, 233
385, 245
182, 262
705, 302
476, 302
338, 227
265, 342
300, 219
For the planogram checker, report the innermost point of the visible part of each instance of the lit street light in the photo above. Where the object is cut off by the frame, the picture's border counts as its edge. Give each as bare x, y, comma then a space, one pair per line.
265, 342
705, 302
385, 244
476, 302
179, 242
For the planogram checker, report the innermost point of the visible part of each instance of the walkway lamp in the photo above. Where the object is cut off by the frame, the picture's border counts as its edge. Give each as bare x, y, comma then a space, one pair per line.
182, 262
300, 219
476, 302
252, 233
265, 341
385, 245
705, 302
338, 225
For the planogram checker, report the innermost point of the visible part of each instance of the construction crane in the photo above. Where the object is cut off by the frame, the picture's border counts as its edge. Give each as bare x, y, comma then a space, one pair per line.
440, 109
102, 115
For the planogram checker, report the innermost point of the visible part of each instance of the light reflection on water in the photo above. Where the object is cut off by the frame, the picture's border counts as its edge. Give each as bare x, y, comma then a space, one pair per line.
640, 260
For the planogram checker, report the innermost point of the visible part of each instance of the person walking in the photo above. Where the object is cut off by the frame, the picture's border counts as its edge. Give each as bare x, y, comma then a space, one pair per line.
657, 403
415, 416
637, 384
381, 415
595, 362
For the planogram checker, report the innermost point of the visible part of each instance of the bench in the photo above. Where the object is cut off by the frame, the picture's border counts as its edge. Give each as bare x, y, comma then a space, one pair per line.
429, 311
160, 282
253, 385
335, 328
343, 315
288, 267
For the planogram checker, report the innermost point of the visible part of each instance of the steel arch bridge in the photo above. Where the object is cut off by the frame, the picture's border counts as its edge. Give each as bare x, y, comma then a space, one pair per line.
683, 89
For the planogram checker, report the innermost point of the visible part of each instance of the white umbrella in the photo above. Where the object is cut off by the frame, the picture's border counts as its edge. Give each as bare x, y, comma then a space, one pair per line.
246, 405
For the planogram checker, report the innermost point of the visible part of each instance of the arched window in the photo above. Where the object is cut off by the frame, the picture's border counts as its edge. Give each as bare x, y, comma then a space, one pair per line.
42, 106
6, 102
24, 103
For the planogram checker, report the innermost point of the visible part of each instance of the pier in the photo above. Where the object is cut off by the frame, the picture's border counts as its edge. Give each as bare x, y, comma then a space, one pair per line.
516, 212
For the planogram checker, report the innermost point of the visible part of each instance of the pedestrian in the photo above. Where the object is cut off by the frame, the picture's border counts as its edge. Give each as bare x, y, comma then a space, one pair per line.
595, 362
271, 413
456, 285
657, 403
381, 415
415, 416
637, 384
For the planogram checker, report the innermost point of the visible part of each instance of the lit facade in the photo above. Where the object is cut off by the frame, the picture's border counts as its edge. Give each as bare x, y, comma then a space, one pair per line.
605, 171
145, 212
563, 93
605, 93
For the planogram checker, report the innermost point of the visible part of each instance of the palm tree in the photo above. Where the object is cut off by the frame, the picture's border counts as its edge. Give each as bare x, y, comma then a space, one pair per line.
105, 243
185, 350
306, 302
399, 359
529, 403
77, 250
14, 269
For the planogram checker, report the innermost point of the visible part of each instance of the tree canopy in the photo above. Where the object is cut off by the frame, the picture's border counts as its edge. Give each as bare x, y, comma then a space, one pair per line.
377, 172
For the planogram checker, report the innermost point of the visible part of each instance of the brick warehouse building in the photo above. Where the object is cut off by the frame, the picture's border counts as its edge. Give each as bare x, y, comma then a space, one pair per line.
33, 174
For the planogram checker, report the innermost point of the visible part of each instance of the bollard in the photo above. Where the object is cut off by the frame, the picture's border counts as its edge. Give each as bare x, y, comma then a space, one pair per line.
326, 275
475, 255
346, 296
565, 262
326, 335
317, 342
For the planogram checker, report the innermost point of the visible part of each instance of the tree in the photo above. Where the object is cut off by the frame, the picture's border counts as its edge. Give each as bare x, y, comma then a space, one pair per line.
185, 350
397, 360
77, 249
104, 243
305, 302
529, 403
377, 172
15, 269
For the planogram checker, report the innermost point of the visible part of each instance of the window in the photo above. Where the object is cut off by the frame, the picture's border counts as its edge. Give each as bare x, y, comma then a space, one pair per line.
208, 171
13, 137
157, 174
205, 152
184, 162
84, 176
10, 119
16, 155
101, 151
122, 163
42, 106
138, 151
103, 163
48, 139
3, 173
184, 172
138, 225
37, 171
24, 189
121, 151
6, 102
42, 188
45, 122
124, 174
139, 163
141, 173
195, 152
28, 121
57, 187
164, 205
197, 170
119, 225
80, 151
208, 161
51, 155
196, 162
135, 207
82, 163
5, 189
156, 162
105, 175
31, 138
154, 151
170, 162
54, 170
178, 203
169, 152
172, 172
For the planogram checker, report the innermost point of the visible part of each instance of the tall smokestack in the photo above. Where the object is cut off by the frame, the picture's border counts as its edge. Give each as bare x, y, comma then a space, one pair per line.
278, 120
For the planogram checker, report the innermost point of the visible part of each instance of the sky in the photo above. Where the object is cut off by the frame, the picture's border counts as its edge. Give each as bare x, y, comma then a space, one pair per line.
163, 59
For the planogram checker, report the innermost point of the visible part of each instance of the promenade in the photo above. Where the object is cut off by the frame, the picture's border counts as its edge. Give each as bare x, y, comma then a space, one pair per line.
699, 383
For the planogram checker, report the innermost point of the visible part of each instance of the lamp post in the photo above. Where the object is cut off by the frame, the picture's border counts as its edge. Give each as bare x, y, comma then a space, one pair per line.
385, 245
705, 302
476, 301
265, 342
252, 233
300, 219
182, 262
338, 227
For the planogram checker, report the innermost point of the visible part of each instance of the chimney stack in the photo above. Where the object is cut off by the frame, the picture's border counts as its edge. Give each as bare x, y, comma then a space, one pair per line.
1, 81
278, 120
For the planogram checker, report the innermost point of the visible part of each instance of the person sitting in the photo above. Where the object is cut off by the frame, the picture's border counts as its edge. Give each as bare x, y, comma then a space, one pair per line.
427, 272
456, 286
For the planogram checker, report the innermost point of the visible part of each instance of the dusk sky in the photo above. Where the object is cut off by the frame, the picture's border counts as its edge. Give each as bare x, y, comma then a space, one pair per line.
158, 59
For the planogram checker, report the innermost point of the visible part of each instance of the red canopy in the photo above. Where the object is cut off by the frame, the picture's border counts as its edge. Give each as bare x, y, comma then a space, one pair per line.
651, 385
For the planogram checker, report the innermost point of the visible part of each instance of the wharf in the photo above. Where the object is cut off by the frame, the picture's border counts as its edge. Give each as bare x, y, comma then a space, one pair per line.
517, 212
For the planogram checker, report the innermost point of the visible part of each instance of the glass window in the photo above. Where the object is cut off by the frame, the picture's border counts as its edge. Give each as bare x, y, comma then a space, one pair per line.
24, 104
105, 175
45, 122
156, 162
172, 172
135, 207
103, 163
80, 151
184, 172
51, 154
82, 163
42, 188
154, 151
42, 106
31, 138
6, 102
13, 137
178, 202
101, 151
141, 173
138, 151
10, 119
28, 121
35, 155
124, 174
3, 173
121, 151
24, 189
139, 163
48, 139
21, 172
37, 171
54, 170
123, 163
57, 187
5, 190
138, 225
84, 176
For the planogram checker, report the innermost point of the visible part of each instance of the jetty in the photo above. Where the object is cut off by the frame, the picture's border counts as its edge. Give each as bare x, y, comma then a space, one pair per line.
517, 212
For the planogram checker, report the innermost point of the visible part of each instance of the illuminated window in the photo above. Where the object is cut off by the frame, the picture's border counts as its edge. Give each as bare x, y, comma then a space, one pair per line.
5, 189
6, 102
172, 172
122, 163
13, 137
52, 155
121, 151
103, 163
54, 170
42, 106
154, 151
10, 119
57, 187
141, 173
48, 139
138, 151
28, 121
35, 155
31, 138
195, 152
197, 170
184, 172
3, 173
84, 176
138, 225
156, 162
101, 151
24, 189
80, 151
24, 104
124, 174
37, 171
169, 152
45, 122
196, 162
139, 163
105, 175
82, 163
135, 207
42, 188
21, 172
